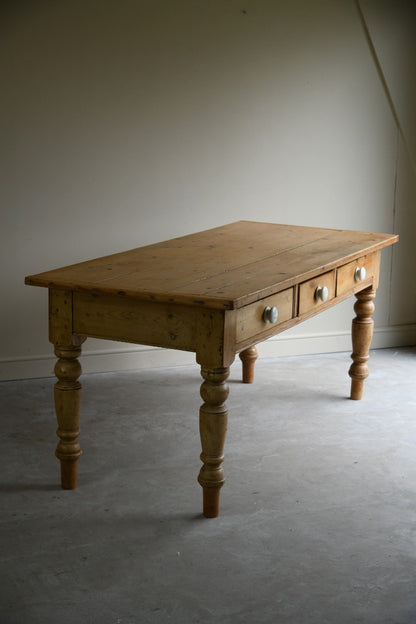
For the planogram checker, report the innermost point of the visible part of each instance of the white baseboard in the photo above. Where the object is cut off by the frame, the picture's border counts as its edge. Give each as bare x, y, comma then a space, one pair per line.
139, 357
330, 342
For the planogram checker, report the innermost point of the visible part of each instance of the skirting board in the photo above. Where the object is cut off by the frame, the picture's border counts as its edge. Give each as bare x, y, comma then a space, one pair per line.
139, 357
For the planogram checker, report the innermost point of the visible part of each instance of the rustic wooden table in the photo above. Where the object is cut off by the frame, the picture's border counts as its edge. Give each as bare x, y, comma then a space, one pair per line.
216, 293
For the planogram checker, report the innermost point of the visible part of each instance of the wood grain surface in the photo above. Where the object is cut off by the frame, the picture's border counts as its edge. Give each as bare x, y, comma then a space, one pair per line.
226, 267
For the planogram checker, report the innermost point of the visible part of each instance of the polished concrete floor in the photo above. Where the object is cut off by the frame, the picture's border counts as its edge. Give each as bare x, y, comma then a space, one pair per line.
318, 515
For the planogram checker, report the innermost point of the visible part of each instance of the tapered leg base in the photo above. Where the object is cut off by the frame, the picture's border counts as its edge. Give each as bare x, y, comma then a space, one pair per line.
357, 389
248, 358
211, 502
68, 475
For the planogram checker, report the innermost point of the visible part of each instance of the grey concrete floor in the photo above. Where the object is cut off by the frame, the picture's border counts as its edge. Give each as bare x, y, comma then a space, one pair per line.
318, 515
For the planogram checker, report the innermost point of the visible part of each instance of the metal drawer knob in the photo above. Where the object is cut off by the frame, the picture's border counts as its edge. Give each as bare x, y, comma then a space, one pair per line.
360, 274
270, 315
321, 293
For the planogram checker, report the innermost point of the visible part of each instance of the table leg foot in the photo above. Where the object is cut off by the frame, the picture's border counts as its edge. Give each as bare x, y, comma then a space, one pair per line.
213, 417
68, 475
211, 502
248, 357
362, 333
68, 408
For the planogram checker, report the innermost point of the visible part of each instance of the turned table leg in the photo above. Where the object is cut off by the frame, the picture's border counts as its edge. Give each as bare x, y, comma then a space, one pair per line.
68, 407
248, 358
213, 418
362, 333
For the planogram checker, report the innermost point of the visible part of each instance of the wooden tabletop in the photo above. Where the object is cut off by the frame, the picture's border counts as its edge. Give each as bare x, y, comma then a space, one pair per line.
226, 267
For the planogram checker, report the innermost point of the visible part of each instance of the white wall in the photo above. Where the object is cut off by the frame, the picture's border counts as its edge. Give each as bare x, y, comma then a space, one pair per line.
130, 122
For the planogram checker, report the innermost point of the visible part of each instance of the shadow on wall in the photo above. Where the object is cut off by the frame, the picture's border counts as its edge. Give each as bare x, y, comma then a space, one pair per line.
391, 33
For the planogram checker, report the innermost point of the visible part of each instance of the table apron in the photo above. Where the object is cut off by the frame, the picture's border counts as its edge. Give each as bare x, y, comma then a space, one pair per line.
214, 335
135, 321
207, 332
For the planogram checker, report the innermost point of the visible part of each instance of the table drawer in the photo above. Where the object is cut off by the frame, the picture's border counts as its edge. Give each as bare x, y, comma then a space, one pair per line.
354, 273
250, 319
314, 292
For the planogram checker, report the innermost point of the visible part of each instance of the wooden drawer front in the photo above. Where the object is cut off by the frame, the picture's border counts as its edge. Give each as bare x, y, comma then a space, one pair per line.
250, 319
346, 279
307, 298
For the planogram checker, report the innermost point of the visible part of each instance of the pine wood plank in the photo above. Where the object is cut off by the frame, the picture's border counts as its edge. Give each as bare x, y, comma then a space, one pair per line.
225, 267
259, 279
181, 260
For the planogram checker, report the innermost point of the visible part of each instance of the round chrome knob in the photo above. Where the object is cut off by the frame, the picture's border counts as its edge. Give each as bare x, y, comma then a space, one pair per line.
270, 315
360, 274
321, 293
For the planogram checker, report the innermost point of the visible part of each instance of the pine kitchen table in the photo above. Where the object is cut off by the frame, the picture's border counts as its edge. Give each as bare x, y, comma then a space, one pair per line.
217, 293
